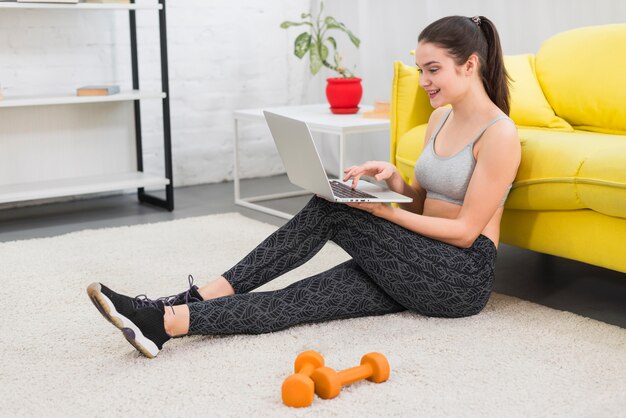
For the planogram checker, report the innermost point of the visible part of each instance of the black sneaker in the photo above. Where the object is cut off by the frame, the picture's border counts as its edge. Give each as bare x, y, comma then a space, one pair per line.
140, 320
132, 315
113, 305
188, 296
146, 332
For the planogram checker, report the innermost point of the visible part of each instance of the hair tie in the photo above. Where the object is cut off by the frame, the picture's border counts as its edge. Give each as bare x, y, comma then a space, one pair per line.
476, 19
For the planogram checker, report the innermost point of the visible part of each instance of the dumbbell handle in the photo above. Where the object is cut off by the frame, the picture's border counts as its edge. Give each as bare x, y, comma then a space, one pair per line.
353, 374
307, 369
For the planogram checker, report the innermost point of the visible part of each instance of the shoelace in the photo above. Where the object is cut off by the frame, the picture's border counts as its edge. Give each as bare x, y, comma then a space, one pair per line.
143, 301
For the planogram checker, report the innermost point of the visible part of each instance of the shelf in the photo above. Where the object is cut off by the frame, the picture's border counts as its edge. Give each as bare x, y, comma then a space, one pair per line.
47, 106
82, 6
77, 186
17, 101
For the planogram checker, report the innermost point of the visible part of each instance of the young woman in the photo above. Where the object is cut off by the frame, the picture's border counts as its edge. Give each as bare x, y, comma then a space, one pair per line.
435, 256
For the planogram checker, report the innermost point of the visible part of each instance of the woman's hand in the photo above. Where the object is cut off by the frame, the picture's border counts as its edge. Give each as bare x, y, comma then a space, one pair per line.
376, 209
380, 170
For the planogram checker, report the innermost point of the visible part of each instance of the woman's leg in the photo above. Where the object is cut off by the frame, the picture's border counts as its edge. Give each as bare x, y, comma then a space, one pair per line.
287, 248
422, 274
258, 267
345, 291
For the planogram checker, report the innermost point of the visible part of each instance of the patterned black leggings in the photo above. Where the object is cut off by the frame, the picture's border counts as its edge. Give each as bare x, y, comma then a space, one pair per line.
392, 269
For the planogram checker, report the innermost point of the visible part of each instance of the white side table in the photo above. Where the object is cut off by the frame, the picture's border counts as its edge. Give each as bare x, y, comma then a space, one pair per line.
319, 119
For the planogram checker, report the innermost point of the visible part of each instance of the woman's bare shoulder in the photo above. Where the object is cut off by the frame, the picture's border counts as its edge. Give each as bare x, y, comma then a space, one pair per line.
501, 141
503, 130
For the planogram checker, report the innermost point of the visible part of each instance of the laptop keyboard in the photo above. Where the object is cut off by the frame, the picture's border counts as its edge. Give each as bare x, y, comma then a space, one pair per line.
343, 191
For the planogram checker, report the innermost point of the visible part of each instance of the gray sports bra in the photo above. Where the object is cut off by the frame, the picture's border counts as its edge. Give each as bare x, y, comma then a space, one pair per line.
447, 178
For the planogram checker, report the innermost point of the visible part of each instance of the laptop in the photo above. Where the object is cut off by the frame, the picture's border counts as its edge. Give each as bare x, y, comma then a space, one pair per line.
304, 167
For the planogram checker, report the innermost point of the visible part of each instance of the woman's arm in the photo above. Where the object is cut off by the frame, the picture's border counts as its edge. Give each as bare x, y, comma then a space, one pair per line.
496, 166
382, 170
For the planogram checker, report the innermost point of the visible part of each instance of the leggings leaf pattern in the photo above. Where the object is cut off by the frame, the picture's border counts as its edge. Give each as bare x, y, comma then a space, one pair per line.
392, 269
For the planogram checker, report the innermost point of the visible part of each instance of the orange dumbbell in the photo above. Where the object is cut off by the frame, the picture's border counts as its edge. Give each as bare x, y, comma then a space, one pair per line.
374, 367
298, 389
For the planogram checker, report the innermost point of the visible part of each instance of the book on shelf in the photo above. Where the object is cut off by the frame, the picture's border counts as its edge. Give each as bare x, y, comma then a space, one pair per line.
97, 90
47, 1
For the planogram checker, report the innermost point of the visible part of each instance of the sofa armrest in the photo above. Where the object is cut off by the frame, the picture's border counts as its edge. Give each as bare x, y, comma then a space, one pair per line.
410, 105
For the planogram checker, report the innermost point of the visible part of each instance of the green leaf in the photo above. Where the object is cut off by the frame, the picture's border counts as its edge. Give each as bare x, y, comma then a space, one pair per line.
302, 44
314, 56
305, 15
287, 24
323, 52
332, 42
331, 23
329, 20
356, 41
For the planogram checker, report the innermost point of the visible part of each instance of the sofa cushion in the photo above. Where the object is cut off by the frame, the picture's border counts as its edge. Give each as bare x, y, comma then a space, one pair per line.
410, 105
581, 73
566, 171
408, 149
583, 235
529, 106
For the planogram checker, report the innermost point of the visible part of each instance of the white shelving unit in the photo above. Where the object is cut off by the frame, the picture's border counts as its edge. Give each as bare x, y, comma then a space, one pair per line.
18, 101
78, 185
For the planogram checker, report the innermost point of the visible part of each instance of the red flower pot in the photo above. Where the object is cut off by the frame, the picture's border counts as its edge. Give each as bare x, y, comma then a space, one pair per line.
344, 94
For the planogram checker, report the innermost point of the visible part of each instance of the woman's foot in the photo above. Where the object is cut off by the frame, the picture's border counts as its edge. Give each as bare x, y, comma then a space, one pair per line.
140, 320
110, 303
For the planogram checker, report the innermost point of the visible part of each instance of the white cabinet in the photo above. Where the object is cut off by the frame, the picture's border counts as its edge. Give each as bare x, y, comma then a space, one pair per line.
33, 128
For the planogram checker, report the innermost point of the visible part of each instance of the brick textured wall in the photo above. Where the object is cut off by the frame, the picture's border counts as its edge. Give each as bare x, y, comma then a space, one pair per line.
223, 55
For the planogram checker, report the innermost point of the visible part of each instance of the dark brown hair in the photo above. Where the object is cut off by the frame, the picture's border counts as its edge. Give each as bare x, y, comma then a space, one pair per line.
463, 36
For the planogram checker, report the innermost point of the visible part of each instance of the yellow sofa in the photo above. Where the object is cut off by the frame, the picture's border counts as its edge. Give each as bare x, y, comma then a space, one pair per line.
569, 103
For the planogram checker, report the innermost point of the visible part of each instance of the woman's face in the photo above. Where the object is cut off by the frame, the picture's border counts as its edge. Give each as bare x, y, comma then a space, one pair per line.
443, 80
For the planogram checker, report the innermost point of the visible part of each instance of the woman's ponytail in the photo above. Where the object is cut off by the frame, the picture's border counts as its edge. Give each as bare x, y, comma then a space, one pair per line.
495, 78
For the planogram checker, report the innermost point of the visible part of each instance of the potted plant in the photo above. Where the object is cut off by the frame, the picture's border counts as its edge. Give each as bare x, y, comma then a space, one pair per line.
344, 92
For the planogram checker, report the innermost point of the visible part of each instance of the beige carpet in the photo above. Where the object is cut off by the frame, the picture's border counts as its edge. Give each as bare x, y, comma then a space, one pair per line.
60, 358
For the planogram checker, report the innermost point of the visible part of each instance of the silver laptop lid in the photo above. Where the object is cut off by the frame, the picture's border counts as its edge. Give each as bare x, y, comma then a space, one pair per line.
299, 154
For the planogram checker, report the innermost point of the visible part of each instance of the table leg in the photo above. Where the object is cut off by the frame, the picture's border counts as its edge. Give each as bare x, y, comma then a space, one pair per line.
236, 163
249, 201
342, 151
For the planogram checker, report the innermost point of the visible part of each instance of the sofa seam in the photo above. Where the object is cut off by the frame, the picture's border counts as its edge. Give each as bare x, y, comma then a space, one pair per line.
571, 180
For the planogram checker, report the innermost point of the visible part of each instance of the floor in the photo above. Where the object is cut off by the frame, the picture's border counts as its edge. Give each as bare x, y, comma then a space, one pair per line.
551, 281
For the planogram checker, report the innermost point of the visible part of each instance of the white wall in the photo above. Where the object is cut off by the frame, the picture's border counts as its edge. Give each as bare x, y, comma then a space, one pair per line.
231, 54
227, 55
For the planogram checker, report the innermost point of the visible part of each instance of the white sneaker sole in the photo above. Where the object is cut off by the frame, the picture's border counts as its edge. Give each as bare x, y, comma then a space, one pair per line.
131, 332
